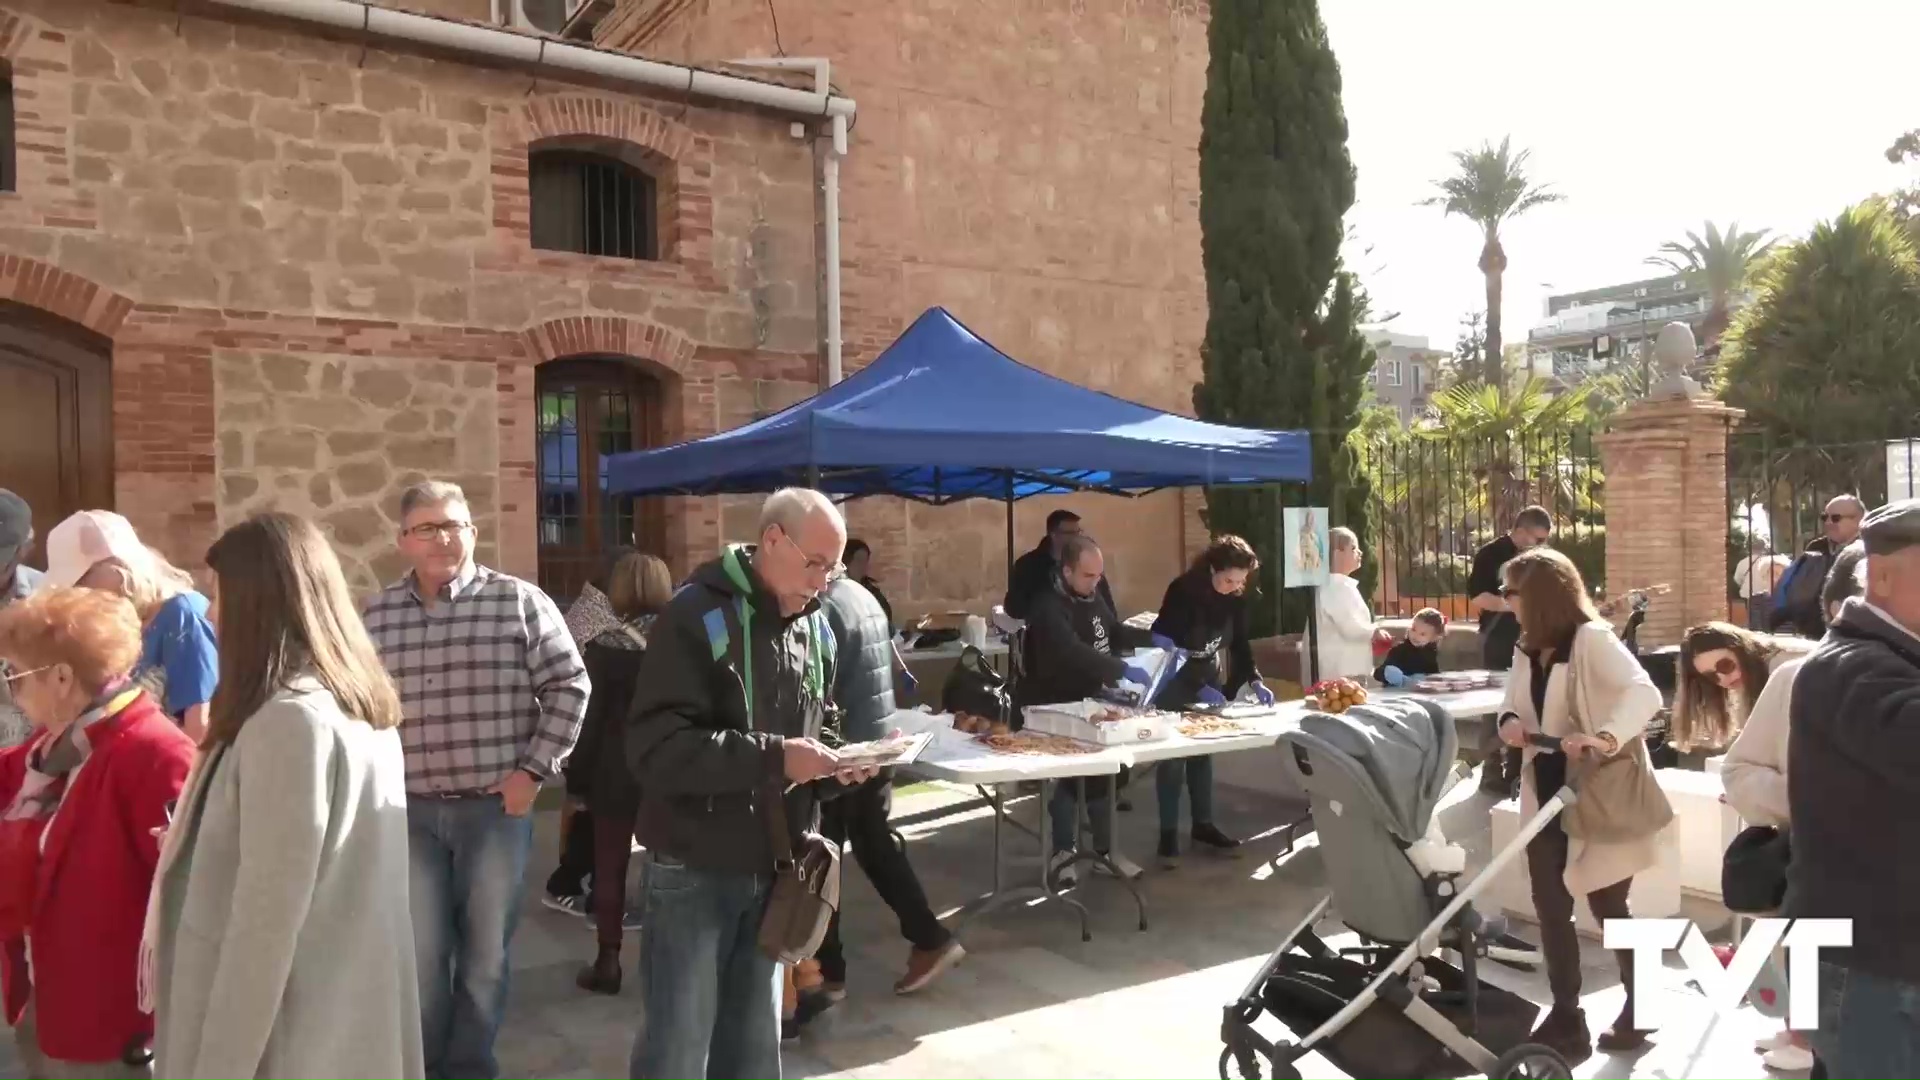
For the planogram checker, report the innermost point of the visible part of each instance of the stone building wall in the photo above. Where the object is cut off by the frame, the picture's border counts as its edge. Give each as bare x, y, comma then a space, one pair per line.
311, 256
1033, 166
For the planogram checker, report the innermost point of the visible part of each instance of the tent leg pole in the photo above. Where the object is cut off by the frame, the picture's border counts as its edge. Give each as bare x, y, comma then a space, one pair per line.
813, 477
1009, 530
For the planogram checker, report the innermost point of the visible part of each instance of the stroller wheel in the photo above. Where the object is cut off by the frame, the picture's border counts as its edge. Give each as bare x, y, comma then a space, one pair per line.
1531, 1061
1228, 1071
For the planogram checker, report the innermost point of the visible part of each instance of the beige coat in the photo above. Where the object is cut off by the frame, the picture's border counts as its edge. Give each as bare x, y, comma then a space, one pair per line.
1619, 699
1754, 769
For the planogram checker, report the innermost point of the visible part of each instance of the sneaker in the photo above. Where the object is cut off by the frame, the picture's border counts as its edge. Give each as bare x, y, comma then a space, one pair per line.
630, 922
1788, 1058
816, 1001
1169, 851
1772, 1042
1209, 835
581, 905
1062, 872
1127, 867
926, 965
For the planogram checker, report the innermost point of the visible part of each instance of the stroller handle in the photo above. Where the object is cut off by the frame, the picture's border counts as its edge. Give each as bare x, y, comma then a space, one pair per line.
1546, 743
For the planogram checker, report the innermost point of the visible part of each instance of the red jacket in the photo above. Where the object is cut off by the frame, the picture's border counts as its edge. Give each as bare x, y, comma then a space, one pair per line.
90, 897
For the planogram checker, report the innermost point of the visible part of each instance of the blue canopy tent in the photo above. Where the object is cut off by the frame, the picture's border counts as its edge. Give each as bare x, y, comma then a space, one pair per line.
943, 416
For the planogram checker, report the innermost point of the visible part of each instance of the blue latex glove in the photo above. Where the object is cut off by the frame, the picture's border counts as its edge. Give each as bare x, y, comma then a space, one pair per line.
1162, 641
1416, 680
907, 680
1209, 696
1137, 676
1393, 676
1261, 694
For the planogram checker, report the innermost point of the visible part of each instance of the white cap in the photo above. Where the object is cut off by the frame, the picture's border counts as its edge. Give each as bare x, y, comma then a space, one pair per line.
87, 538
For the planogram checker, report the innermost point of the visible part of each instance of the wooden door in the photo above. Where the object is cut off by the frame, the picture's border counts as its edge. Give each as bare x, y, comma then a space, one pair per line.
56, 412
585, 411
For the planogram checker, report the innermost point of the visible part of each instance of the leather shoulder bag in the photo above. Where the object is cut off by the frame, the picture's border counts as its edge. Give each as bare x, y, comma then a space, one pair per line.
1620, 799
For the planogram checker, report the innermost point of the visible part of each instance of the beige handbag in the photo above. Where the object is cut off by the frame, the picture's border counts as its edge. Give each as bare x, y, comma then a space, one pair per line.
1620, 799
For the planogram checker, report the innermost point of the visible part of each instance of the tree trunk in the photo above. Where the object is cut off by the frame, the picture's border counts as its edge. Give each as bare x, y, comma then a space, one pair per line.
1495, 375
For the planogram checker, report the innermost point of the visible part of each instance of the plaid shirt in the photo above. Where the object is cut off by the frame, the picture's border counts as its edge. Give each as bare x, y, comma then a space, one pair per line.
489, 680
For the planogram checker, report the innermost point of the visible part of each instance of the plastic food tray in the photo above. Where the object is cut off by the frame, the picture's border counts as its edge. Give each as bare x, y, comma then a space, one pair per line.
1075, 721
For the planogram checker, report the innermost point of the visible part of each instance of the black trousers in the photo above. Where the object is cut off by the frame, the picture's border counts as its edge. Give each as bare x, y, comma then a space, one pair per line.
860, 817
1553, 905
1497, 641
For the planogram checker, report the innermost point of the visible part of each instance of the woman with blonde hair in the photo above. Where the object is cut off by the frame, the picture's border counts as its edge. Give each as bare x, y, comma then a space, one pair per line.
638, 588
1574, 680
178, 660
1723, 669
279, 940
83, 798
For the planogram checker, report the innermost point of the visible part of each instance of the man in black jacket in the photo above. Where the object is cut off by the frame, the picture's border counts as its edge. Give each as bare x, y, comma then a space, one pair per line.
1073, 635
1854, 749
736, 685
1797, 608
863, 688
1033, 573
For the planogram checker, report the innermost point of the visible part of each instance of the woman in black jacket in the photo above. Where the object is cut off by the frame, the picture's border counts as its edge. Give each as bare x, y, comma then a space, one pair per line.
1205, 613
638, 588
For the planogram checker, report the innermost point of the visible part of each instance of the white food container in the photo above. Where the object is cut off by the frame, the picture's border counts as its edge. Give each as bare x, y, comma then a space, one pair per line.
1073, 720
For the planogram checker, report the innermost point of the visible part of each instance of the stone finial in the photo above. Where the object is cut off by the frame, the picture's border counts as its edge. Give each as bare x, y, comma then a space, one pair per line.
1673, 352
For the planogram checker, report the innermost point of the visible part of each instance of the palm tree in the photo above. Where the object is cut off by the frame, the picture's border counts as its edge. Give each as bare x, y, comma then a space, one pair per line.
1489, 188
1724, 260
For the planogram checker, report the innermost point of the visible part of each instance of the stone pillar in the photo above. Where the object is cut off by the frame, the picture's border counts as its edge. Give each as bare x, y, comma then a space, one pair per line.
1665, 461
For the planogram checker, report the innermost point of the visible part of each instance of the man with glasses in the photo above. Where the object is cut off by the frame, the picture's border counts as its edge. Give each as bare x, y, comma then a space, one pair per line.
723, 739
1797, 607
17, 580
493, 691
1033, 573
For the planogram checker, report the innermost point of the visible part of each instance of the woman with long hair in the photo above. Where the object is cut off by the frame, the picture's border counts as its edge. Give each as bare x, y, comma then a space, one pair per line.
84, 800
178, 660
1573, 679
590, 615
1754, 770
1723, 669
279, 936
639, 587
1205, 613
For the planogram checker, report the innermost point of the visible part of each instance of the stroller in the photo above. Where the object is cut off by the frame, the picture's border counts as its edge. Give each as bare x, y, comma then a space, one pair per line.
1393, 1007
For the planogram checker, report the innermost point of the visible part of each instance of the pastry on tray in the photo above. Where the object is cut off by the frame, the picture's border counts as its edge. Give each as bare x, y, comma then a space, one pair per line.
1034, 743
1203, 725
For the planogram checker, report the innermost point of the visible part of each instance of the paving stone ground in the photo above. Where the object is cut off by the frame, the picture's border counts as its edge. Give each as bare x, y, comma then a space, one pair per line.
1031, 999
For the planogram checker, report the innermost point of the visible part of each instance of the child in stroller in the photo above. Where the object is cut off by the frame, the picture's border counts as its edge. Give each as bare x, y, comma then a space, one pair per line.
1374, 775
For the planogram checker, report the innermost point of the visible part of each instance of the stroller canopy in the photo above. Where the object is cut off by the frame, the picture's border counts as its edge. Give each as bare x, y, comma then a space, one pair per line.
1402, 751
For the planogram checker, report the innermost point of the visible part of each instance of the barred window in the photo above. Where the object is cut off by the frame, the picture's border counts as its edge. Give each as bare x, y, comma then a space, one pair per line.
592, 204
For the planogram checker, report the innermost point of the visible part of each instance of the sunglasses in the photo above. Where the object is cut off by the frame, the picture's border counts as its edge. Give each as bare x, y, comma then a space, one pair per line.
1724, 666
1835, 519
1508, 594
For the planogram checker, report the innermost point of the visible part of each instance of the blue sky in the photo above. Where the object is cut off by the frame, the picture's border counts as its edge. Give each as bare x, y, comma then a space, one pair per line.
1650, 117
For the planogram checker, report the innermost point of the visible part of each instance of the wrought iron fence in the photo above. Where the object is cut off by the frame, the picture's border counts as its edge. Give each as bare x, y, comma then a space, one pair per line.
1777, 497
1438, 498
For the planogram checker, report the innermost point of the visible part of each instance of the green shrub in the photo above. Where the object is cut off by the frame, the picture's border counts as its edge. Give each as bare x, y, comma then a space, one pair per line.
1433, 574
1586, 545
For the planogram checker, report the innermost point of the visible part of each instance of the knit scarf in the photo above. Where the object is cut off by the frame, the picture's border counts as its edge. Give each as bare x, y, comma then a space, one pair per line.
23, 825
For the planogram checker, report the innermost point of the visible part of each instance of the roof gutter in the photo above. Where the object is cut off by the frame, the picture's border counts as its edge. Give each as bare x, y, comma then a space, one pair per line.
508, 45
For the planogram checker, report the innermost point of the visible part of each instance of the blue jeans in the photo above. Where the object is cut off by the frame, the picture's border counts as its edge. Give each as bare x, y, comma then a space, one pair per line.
1198, 773
710, 998
1066, 833
1869, 1024
467, 859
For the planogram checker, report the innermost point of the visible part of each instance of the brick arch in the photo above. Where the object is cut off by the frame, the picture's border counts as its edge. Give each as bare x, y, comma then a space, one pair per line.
611, 335
58, 292
625, 121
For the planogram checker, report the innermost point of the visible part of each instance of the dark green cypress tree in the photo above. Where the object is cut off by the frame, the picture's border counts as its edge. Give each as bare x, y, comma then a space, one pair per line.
1283, 347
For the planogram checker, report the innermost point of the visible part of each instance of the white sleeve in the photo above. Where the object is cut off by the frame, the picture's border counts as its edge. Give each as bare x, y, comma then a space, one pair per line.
1754, 770
1614, 685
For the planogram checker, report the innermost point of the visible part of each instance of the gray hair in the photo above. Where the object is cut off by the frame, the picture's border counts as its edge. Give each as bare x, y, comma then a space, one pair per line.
1075, 548
1847, 577
789, 508
1341, 538
430, 493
